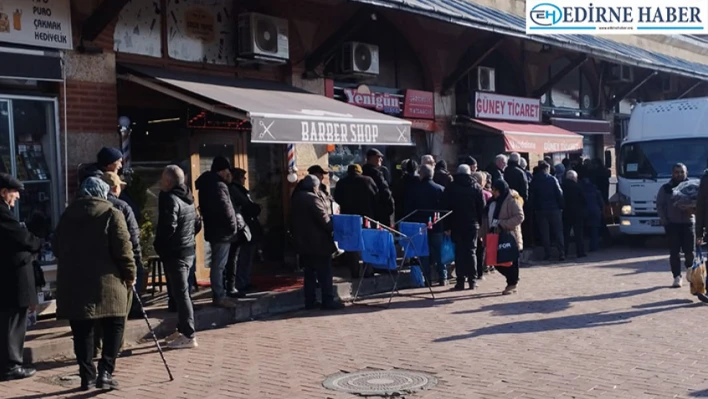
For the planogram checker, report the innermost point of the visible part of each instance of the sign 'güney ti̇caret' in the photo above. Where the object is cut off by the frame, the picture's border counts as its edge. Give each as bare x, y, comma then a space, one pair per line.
42, 23
507, 108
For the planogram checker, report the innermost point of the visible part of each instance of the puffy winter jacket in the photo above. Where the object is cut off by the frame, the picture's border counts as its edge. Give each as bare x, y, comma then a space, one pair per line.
220, 223
517, 179
384, 202
465, 199
545, 193
132, 222
177, 224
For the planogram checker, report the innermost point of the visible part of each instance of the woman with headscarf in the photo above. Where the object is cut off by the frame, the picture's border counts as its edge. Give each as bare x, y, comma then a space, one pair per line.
505, 213
95, 278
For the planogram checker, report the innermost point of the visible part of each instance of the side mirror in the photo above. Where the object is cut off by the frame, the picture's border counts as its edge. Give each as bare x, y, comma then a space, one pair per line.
608, 159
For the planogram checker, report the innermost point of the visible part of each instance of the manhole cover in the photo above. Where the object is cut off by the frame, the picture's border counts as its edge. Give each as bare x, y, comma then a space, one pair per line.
380, 382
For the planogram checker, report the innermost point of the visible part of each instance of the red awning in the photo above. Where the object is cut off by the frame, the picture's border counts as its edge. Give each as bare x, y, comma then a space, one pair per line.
535, 138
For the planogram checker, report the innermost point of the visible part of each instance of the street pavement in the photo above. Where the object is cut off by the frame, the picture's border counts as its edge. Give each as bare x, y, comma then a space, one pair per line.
608, 327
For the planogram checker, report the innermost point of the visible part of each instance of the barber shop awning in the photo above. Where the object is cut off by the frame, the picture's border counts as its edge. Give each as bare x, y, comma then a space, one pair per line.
278, 113
585, 127
531, 137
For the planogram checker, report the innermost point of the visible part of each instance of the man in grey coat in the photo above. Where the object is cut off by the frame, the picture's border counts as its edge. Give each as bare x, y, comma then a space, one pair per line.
678, 223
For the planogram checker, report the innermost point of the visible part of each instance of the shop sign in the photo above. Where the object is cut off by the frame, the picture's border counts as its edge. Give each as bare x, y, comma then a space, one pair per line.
427, 125
382, 102
43, 23
419, 105
496, 106
199, 23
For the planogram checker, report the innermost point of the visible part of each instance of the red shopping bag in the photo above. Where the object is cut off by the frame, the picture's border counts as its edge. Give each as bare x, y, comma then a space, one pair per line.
491, 242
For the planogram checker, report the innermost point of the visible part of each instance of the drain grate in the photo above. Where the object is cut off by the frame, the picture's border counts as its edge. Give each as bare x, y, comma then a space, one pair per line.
373, 382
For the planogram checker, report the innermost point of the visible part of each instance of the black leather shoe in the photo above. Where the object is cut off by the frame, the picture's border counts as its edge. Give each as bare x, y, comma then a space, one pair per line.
87, 384
18, 373
105, 381
459, 287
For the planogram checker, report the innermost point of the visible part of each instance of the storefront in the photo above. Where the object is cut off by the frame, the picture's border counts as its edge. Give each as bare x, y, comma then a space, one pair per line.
31, 38
512, 124
415, 106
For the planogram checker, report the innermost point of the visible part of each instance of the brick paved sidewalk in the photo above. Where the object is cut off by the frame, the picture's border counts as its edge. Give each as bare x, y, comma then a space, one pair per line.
606, 328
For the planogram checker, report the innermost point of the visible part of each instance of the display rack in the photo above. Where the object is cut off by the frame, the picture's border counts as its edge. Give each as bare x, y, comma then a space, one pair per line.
406, 242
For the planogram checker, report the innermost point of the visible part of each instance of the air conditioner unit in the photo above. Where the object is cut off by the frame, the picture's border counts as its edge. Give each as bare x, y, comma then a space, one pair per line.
621, 74
360, 58
486, 79
669, 84
263, 38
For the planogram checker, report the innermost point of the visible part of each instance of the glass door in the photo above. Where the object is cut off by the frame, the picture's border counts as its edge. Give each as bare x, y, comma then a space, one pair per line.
5, 145
28, 151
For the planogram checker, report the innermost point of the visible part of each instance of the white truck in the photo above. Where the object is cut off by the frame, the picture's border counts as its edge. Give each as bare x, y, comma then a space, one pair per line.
660, 134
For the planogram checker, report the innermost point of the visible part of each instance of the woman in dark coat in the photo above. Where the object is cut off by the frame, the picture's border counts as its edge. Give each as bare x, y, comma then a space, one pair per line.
95, 276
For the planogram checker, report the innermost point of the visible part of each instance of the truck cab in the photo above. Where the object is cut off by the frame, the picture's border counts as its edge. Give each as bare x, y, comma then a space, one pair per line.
660, 134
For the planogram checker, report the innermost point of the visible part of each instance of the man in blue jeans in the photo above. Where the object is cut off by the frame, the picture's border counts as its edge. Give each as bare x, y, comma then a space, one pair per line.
220, 223
174, 241
546, 197
426, 198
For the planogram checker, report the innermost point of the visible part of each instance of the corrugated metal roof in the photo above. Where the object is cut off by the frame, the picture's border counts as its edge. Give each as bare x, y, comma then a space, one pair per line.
486, 18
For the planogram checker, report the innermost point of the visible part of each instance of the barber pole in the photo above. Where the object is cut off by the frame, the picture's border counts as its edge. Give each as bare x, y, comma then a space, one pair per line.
125, 146
291, 157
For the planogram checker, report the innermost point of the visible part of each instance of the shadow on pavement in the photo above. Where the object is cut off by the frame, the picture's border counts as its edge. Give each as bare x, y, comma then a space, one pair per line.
547, 306
74, 392
574, 322
699, 394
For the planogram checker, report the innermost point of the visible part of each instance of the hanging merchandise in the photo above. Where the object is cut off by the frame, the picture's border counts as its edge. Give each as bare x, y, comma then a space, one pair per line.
416, 242
379, 249
347, 232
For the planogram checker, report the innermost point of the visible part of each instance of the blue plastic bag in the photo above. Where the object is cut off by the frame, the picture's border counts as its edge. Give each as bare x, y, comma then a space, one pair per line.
447, 253
417, 276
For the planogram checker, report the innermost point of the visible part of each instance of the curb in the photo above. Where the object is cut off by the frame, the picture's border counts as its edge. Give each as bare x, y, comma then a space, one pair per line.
257, 307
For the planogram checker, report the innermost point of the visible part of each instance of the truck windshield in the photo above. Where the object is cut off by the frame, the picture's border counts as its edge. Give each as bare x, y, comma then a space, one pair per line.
654, 159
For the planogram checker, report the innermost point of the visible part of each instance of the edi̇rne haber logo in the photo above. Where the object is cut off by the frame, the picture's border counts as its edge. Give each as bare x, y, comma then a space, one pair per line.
612, 17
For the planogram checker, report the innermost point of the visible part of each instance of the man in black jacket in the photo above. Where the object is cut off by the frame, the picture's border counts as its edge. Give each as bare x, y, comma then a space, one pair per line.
546, 198
177, 224
465, 199
18, 293
497, 168
250, 230
574, 213
220, 223
516, 177
384, 201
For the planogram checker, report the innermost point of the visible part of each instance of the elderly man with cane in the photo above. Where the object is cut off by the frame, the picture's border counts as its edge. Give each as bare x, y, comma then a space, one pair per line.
17, 287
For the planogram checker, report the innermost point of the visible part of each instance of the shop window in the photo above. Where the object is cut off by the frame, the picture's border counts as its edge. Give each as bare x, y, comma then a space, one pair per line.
201, 31
139, 29
28, 149
566, 93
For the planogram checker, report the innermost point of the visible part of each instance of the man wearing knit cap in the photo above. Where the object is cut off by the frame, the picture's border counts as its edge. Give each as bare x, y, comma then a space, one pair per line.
220, 223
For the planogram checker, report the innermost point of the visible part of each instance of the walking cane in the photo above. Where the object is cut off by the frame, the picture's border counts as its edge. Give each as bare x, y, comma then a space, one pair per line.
152, 332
